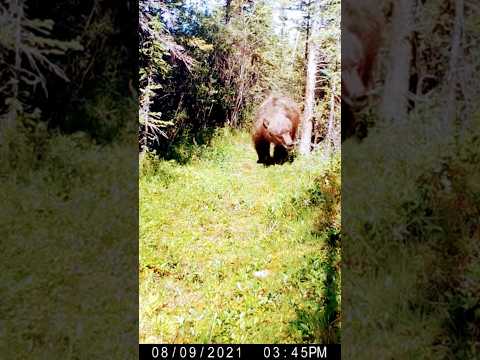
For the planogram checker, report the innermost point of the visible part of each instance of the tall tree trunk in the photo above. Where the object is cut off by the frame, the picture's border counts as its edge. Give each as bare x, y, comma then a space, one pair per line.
331, 135
452, 75
241, 82
145, 102
311, 79
240, 94
395, 95
309, 21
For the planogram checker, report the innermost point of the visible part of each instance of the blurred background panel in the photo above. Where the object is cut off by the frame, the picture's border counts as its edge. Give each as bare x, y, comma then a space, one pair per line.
69, 174
409, 179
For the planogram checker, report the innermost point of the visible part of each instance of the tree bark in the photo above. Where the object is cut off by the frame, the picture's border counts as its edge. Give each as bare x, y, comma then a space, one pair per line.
331, 136
308, 29
311, 77
145, 102
452, 76
396, 88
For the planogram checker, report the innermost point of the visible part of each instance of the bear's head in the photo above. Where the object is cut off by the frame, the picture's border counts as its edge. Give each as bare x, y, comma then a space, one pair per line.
279, 130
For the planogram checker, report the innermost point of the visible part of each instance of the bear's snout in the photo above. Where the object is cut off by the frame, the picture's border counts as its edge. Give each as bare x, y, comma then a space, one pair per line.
287, 141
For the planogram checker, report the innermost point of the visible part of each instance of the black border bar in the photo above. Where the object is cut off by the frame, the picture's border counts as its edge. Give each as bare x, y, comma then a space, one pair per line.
240, 351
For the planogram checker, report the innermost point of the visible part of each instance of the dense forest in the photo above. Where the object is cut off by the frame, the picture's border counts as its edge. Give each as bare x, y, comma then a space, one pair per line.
208, 66
68, 165
410, 206
232, 251
56, 71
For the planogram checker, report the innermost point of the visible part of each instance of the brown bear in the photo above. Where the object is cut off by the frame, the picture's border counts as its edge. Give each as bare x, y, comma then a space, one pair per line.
276, 123
361, 40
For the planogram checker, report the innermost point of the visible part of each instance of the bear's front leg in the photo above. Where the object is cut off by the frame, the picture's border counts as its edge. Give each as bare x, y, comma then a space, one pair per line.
280, 154
263, 151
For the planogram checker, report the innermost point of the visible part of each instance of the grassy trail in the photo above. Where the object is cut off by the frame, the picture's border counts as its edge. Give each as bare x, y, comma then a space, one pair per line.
227, 248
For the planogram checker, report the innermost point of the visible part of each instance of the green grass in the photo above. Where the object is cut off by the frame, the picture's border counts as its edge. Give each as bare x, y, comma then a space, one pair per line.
206, 229
68, 248
410, 245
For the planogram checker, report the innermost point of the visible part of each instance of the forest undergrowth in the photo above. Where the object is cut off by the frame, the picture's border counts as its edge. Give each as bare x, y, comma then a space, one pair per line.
68, 226
411, 244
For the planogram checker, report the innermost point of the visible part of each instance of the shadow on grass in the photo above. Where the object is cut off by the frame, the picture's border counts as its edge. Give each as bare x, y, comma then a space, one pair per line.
184, 147
318, 319
319, 281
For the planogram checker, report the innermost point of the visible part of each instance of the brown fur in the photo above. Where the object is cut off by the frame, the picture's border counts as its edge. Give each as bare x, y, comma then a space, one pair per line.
276, 123
363, 25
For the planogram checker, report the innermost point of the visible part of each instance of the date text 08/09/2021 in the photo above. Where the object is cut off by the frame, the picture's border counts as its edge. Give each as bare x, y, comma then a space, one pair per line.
250, 351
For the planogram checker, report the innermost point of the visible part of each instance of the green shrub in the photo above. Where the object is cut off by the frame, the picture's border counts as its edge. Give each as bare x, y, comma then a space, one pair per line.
414, 248
54, 186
